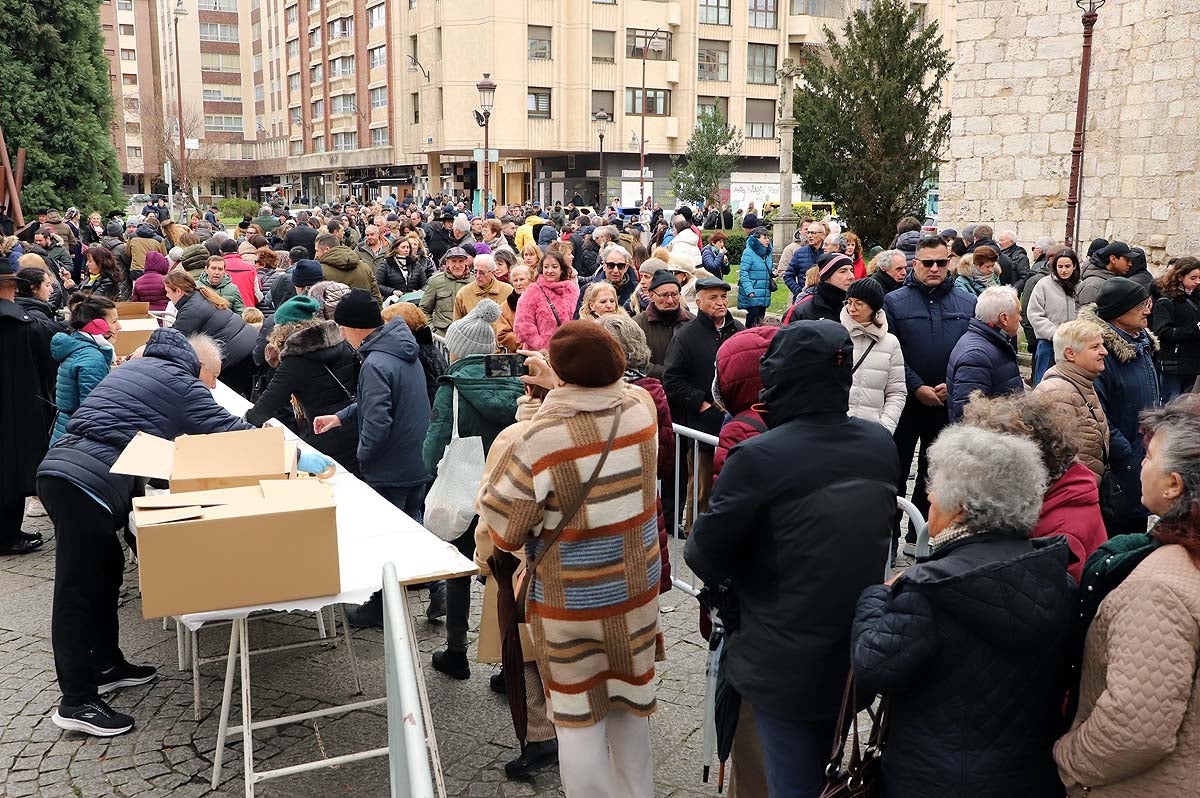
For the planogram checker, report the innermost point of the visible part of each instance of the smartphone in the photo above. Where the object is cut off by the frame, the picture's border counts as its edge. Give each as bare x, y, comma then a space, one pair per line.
504, 366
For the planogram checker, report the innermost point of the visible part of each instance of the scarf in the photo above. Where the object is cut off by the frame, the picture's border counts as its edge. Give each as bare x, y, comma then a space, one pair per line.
949, 535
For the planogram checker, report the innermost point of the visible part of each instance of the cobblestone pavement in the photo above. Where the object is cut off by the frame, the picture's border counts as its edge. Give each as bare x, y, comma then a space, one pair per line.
170, 754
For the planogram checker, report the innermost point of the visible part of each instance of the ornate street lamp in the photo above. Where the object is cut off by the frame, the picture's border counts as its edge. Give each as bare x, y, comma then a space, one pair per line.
487, 98
601, 119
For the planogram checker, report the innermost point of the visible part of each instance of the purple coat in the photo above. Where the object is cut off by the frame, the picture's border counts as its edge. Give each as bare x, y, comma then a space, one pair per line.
149, 287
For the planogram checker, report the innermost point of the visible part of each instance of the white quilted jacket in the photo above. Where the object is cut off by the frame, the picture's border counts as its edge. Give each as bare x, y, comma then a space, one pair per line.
878, 390
1137, 731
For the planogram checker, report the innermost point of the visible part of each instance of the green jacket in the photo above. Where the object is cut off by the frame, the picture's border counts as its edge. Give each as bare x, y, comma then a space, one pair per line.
438, 299
486, 405
227, 291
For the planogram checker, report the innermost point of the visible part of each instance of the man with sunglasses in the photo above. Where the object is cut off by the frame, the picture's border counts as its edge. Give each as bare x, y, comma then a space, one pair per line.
928, 315
615, 268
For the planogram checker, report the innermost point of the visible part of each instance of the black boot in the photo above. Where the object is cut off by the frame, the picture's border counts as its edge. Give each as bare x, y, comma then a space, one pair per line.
452, 663
369, 614
534, 757
497, 683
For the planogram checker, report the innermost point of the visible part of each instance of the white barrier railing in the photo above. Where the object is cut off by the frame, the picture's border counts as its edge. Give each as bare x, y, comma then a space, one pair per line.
408, 746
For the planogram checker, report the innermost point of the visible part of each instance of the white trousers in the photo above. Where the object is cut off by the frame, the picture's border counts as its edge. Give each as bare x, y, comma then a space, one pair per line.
611, 759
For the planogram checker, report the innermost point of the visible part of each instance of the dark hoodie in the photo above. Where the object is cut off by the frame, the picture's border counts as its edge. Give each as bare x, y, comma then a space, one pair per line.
149, 287
798, 525
969, 645
392, 410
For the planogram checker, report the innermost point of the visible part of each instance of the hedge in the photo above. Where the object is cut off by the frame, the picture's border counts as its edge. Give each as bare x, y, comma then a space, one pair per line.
235, 206
735, 242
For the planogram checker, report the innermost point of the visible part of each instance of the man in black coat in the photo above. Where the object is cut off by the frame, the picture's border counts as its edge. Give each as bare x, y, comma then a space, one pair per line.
302, 235
795, 540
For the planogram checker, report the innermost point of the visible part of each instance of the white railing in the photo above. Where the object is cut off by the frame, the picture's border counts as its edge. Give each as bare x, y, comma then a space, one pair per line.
408, 747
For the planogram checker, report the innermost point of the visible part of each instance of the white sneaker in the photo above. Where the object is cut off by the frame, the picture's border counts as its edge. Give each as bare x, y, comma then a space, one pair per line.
35, 509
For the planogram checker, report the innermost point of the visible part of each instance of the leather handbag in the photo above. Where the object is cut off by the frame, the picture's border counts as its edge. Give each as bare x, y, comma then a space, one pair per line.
860, 776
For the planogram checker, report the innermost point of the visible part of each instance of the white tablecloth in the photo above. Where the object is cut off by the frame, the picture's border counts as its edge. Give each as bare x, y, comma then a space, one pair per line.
371, 532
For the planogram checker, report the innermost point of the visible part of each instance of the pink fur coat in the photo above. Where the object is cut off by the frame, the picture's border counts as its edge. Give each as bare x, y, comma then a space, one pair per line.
534, 322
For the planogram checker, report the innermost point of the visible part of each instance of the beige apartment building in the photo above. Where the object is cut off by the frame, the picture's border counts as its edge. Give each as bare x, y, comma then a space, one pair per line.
327, 98
132, 75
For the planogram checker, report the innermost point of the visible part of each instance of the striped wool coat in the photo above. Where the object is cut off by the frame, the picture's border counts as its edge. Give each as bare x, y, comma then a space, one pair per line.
593, 606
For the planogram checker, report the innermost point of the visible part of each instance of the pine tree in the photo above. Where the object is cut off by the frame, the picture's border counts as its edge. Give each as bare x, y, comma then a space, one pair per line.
56, 102
870, 132
712, 152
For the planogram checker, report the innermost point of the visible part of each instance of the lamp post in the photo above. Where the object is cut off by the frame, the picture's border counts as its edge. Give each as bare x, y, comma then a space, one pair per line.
487, 98
1074, 189
642, 139
601, 118
180, 11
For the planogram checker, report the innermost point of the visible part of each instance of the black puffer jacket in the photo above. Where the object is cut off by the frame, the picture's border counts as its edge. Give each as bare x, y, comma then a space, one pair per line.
159, 393
411, 275
197, 315
1176, 322
970, 645
798, 538
312, 363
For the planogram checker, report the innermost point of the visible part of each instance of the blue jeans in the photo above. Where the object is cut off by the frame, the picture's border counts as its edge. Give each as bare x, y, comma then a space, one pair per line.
1043, 359
1171, 385
795, 753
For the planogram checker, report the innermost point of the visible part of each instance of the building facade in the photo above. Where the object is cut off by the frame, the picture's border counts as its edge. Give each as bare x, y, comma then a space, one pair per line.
1015, 88
130, 46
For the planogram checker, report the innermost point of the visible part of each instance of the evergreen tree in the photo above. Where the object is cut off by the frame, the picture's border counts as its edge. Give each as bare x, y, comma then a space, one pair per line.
870, 132
712, 152
58, 105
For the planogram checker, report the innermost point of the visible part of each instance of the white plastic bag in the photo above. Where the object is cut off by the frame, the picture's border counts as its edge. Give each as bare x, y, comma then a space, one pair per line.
450, 505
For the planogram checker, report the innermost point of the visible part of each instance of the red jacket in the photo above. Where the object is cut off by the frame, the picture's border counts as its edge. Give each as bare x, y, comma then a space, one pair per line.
1072, 508
244, 276
666, 467
738, 384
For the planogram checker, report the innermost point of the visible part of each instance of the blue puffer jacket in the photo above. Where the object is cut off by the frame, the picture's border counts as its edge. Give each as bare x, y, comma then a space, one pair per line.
754, 275
82, 363
394, 409
716, 261
982, 360
159, 393
928, 322
198, 315
804, 258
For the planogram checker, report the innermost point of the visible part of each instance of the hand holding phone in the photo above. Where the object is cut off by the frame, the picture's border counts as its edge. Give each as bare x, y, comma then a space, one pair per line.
504, 366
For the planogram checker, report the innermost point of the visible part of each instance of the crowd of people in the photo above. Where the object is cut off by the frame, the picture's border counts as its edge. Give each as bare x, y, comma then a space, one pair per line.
366, 329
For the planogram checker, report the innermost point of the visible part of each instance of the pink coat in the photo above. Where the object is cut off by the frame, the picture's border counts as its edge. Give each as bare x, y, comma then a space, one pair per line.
534, 322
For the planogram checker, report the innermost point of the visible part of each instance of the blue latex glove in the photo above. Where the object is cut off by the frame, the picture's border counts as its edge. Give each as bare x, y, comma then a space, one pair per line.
314, 462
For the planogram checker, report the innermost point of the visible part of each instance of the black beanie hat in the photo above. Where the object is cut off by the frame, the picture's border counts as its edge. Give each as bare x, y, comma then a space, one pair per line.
830, 262
867, 290
358, 309
663, 277
1119, 295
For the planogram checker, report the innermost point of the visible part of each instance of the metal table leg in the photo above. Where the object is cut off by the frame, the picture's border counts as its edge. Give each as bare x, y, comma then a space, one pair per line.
194, 637
226, 699
247, 717
350, 651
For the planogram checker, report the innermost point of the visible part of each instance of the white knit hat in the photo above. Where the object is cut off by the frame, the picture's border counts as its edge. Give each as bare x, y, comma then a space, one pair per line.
473, 333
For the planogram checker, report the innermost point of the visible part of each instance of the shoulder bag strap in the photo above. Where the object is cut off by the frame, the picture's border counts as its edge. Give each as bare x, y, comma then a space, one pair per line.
553, 309
1088, 405
568, 512
454, 411
870, 346
345, 390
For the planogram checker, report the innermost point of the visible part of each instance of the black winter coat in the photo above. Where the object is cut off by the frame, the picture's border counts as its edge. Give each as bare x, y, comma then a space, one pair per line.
391, 277
302, 236
824, 303
159, 393
970, 645
312, 363
196, 315
798, 538
26, 400
690, 368
1175, 322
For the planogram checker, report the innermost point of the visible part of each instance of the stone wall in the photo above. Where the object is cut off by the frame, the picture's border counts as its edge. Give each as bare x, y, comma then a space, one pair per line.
1015, 82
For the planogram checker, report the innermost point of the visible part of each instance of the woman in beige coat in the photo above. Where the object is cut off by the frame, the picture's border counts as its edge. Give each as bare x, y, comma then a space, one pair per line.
878, 389
1079, 352
1137, 731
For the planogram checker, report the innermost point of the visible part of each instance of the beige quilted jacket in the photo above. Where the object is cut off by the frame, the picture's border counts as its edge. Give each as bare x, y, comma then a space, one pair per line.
1137, 732
1069, 384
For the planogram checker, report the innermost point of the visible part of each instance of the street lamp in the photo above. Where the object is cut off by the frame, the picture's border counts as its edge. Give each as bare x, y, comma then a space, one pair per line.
1074, 189
601, 119
642, 147
180, 12
487, 98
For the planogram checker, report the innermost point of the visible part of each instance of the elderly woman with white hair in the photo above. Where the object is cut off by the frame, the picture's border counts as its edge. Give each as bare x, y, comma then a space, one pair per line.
985, 359
1079, 358
968, 644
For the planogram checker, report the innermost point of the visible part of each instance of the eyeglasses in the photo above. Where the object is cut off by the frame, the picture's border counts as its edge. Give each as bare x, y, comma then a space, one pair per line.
613, 264
667, 295
940, 263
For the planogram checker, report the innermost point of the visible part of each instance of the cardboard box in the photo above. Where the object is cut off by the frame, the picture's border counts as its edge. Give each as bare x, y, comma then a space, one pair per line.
133, 310
133, 333
209, 462
236, 547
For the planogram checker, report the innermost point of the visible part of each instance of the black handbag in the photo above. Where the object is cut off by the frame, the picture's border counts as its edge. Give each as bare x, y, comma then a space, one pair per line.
862, 775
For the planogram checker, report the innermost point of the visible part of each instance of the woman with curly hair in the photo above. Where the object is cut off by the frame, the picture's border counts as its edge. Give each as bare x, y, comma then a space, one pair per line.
1137, 729
1176, 322
1071, 506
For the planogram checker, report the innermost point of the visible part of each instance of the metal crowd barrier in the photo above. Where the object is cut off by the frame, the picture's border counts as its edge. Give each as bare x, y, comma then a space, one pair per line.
409, 749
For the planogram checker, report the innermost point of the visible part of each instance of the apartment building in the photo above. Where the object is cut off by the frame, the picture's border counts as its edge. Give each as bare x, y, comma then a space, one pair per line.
132, 74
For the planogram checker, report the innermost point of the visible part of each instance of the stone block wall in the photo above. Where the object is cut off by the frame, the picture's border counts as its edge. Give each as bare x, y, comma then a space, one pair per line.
1015, 83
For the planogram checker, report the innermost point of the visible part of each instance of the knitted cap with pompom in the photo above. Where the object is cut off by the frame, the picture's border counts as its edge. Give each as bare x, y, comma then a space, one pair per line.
473, 334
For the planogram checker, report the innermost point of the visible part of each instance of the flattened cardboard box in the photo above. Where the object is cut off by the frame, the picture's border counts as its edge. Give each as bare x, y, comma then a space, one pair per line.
209, 462
133, 310
236, 547
133, 333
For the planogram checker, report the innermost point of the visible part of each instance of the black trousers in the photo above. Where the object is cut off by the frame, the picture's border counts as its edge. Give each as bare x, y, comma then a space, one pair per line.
11, 514
921, 425
88, 568
240, 376
458, 594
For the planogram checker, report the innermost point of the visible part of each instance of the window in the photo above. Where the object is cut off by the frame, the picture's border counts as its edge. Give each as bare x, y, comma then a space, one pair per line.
316, 73
760, 63
314, 6
539, 41
342, 65
538, 103
603, 101
292, 16
376, 16
713, 59
318, 144
298, 147
819, 8
294, 83
441, 104
604, 46
412, 4
124, 5
217, 5
133, 104
762, 13
133, 129
218, 32
760, 119
342, 104
379, 137
345, 141
379, 97
606, 2
711, 105
412, 50
129, 80
133, 152
293, 50
341, 28
223, 123
714, 12
377, 56
257, 63
297, 115
637, 42
128, 55
125, 30
256, 31
314, 37
318, 109
259, 95
658, 102
416, 101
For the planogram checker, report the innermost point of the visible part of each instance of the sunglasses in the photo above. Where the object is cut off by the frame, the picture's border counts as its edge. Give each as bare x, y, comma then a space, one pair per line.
612, 264
941, 263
